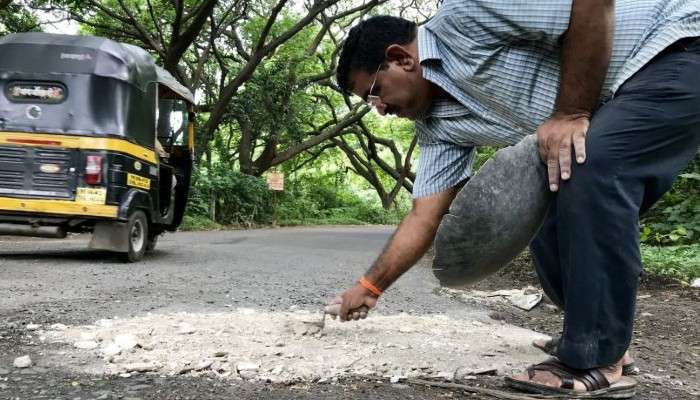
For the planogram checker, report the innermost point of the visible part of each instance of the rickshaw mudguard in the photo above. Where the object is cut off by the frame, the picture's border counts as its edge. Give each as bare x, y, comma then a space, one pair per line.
134, 199
112, 236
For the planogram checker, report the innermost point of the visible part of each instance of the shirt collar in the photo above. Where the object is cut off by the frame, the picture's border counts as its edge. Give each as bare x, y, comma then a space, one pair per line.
430, 58
427, 46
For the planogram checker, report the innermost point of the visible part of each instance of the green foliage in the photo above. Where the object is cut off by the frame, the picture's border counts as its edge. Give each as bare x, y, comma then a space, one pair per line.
678, 262
675, 219
322, 200
236, 199
198, 223
16, 17
483, 154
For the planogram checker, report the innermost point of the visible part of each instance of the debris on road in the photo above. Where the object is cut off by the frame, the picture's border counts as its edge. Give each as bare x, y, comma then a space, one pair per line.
525, 299
281, 347
23, 362
86, 345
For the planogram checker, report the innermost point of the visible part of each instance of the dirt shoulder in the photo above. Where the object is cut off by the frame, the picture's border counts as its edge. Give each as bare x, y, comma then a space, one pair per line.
666, 342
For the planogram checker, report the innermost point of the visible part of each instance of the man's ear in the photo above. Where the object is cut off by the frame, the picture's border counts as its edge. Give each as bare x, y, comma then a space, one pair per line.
400, 55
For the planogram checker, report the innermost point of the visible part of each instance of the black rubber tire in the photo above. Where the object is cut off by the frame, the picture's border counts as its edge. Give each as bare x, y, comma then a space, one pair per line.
152, 242
137, 231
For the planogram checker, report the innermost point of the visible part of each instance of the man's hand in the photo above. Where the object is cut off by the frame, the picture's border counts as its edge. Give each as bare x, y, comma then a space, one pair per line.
354, 303
555, 137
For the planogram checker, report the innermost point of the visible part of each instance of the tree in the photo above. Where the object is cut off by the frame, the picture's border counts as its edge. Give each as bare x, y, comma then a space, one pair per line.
18, 16
263, 73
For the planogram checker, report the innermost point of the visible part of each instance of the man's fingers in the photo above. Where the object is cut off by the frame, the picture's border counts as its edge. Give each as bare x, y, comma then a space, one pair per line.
565, 158
344, 308
542, 146
553, 171
580, 146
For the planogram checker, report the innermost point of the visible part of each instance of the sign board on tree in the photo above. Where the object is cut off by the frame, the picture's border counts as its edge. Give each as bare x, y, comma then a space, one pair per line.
275, 181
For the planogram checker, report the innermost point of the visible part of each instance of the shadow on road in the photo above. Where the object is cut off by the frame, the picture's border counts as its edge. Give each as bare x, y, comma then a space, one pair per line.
75, 255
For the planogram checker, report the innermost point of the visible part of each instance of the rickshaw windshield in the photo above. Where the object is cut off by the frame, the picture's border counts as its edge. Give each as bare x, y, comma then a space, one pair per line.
172, 122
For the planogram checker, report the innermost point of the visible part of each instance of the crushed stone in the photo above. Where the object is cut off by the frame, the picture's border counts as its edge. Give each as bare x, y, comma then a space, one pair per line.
282, 347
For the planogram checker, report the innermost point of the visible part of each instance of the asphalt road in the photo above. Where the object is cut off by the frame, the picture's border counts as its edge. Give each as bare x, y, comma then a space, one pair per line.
204, 271
60, 281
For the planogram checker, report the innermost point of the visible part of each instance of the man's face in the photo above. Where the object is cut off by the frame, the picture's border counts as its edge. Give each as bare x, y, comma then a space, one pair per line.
400, 86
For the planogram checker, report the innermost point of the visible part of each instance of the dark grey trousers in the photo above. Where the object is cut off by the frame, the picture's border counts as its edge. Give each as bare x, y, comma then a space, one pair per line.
587, 251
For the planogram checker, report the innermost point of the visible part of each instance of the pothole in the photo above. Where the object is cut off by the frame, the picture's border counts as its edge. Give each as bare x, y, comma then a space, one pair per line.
286, 347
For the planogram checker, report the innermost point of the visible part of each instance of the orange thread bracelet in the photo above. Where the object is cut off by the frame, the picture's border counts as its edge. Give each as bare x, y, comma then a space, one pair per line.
365, 283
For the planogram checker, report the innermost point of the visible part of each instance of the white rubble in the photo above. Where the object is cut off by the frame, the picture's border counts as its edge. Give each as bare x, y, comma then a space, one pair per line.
142, 367
126, 341
23, 362
526, 298
86, 345
268, 346
58, 327
112, 349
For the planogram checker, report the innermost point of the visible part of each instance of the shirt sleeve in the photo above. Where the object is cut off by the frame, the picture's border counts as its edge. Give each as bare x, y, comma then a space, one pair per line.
441, 166
496, 22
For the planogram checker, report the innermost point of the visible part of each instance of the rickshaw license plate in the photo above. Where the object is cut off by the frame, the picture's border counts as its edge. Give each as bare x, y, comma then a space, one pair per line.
91, 195
138, 181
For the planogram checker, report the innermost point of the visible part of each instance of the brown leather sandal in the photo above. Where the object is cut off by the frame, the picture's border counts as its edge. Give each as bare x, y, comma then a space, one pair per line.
597, 385
550, 347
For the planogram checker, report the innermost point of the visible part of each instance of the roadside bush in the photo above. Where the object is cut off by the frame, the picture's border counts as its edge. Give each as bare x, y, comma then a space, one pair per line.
678, 262
198, 223
232, 198
322, 200
675, 219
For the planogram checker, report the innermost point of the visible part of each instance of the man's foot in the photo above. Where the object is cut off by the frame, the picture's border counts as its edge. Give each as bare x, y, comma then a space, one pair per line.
553, 376
549, 346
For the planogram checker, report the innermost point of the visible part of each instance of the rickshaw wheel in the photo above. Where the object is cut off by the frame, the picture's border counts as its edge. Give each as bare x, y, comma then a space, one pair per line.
137, 231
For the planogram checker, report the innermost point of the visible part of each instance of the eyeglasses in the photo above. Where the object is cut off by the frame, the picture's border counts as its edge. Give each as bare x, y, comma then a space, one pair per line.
374, 100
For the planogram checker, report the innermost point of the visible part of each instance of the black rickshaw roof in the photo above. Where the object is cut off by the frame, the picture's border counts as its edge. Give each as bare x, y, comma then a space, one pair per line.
90, 54
166, 79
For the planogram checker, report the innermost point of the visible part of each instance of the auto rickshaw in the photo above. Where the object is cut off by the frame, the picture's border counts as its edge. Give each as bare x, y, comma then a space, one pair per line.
94, 137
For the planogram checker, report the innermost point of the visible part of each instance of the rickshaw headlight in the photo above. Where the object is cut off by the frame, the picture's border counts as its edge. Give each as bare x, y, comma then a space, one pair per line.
93, 170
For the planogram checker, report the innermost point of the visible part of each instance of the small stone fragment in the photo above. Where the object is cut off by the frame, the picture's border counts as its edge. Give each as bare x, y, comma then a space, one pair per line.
247, 366
86, 344
104, 323
467, 373
33, 327
142, 367
58, 327
202, 365
695, 283
23, 362
126, 341
185, 369
186, 329
111, 349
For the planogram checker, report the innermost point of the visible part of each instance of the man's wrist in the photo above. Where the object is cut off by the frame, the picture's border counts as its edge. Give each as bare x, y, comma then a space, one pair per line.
570, 114
370, 286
